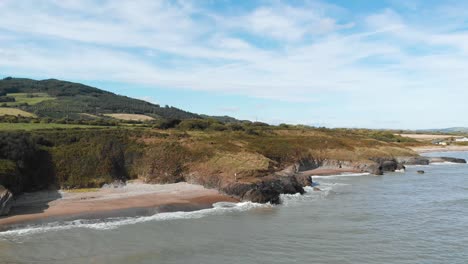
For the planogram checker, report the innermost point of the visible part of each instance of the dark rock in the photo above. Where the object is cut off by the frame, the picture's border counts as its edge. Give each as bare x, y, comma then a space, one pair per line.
384, 165
389, 165
413, 160
401, 167
375, 169
264, 192
420, 171
307, 164
237, 189
6, 199
286, 185
447, 159
268, 190
304, 180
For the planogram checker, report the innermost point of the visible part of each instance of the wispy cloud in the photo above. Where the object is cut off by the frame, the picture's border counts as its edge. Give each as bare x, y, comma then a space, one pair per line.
291, 52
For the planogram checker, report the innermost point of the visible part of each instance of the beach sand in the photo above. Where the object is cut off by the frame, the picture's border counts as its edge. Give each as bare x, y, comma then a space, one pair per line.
132, 199
426, 149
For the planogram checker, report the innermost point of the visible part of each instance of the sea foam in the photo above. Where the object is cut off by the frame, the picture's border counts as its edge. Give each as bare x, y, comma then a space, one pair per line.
113, 223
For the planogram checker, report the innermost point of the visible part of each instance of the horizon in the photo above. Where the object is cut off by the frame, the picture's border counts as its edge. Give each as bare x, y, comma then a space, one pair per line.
392, 64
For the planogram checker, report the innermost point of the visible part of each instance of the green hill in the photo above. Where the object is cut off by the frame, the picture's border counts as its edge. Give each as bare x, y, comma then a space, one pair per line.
61, 99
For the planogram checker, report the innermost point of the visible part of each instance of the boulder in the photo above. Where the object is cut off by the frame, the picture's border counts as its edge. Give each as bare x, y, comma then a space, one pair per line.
6, 199
264, 192
268, 190
389, 165
420, 172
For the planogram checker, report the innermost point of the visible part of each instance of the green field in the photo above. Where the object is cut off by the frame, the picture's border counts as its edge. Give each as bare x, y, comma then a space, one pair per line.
28, 98
34, 126
14, 112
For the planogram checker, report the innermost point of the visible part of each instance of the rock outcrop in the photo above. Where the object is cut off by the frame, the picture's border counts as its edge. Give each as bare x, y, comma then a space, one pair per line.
6, 198
447, 159
268, 189
413, 160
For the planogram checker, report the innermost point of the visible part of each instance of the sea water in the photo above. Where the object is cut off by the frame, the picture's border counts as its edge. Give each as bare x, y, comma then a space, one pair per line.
395, 218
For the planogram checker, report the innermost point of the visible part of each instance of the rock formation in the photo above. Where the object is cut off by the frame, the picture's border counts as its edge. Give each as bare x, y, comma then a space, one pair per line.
6, 198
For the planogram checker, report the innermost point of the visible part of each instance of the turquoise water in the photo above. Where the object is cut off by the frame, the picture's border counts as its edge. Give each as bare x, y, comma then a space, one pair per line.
395, 218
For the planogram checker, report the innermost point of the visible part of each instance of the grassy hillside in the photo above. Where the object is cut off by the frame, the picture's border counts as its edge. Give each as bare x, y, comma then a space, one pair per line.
89, 157
60, 99
14, 112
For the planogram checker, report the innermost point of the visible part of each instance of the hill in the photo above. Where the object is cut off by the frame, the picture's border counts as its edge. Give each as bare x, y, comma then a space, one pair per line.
61, 99
451, 130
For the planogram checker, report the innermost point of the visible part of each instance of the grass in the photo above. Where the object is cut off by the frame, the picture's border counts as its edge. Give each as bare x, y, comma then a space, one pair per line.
38, 126
14, 112
133, 117
29, 98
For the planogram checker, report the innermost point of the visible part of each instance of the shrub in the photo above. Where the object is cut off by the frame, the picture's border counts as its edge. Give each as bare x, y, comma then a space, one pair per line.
164, 163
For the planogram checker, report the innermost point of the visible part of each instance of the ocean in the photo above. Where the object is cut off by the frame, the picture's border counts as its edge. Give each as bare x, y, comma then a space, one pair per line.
357, 218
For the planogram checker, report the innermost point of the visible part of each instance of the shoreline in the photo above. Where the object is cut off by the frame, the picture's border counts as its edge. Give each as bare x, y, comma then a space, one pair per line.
135, 199
328, 172
430, 149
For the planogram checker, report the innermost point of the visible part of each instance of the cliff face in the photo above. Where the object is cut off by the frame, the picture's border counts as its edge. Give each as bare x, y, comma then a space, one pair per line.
6, 198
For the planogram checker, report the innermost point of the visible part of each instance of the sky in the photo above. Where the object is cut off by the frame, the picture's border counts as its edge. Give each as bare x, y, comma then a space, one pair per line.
343, 63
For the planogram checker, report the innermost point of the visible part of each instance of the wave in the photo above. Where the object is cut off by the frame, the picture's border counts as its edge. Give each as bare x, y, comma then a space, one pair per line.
326, 189
113, 223
446, 163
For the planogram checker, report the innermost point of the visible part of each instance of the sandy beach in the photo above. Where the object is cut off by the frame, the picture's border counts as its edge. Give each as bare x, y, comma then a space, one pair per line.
132, 199
426, 149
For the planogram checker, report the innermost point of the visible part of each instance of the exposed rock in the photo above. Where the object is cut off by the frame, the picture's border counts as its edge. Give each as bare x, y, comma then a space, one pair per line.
268, 190
237, 189
447, 159
304, 180
375, 169
264, 192
317, 189
389, 165
6, 198
420, 171
413, 160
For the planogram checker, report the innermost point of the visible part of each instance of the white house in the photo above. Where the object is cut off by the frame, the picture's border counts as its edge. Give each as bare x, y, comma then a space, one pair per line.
463, 139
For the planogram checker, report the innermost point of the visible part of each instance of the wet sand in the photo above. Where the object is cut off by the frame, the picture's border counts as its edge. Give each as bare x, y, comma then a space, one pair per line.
133, 199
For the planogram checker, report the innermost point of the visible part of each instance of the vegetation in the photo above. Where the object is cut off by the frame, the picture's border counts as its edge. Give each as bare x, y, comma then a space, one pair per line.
60, 99
14, 112
69, 135
20, 99
88, 158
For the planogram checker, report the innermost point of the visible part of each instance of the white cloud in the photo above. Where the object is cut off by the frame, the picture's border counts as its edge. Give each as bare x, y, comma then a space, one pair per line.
278, 51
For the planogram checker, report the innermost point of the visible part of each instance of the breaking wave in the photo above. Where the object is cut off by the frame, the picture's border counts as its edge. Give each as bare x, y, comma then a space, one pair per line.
113, 223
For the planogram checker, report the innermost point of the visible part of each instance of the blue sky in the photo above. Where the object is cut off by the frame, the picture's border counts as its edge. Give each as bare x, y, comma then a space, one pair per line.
375, 64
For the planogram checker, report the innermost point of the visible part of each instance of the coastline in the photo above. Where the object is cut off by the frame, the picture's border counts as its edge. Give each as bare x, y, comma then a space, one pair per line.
328, 172
428, 149
134, 199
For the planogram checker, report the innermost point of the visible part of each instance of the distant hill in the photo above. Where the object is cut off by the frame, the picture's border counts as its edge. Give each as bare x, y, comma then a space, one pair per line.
61, 99
451, 130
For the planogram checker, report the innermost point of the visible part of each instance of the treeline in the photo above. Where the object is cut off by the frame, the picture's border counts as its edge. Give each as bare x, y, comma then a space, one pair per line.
74, 98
